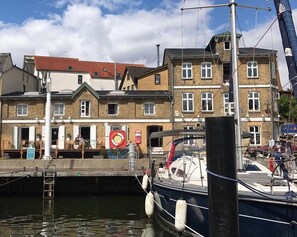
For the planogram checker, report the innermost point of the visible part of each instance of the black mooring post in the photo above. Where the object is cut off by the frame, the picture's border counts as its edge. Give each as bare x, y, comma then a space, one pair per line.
221, 162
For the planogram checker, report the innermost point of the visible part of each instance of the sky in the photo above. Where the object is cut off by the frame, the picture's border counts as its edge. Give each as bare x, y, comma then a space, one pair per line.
127, 31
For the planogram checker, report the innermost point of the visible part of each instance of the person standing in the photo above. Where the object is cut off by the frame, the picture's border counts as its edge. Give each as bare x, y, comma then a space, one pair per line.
271, 146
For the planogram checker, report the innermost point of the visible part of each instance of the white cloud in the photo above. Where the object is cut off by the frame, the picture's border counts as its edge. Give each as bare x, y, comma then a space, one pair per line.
87, 31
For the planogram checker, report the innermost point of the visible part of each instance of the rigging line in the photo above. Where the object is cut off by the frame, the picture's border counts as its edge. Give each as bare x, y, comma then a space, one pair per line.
245, 59
198, 17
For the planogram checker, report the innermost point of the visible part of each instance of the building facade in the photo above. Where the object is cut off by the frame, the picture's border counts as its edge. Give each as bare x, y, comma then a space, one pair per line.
92, 114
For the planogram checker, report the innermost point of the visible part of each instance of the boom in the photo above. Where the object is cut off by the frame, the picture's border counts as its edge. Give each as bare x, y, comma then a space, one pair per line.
289, 39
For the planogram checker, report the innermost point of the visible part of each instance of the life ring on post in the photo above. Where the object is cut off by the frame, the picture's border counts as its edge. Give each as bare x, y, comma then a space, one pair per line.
117, 139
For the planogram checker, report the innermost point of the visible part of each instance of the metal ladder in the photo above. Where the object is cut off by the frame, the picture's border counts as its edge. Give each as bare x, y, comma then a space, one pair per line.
49, 175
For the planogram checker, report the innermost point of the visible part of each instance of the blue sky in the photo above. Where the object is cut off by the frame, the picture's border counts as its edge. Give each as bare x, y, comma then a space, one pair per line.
126, 30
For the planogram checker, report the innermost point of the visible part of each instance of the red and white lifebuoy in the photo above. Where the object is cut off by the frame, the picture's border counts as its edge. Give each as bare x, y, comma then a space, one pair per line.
117, 139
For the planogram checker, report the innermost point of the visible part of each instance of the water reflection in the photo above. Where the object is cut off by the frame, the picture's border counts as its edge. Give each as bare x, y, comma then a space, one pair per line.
77, 216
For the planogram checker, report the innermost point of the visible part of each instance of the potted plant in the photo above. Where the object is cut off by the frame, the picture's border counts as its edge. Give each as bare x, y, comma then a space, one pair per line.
38, 137
68, 137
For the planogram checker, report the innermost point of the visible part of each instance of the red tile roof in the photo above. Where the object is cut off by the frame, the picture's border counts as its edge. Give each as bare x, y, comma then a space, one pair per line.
95, 69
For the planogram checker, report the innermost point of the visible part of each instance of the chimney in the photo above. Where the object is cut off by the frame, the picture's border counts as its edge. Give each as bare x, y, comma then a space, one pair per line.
158, 53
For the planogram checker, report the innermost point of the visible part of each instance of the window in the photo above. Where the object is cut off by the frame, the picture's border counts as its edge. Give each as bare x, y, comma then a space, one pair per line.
157, 79
112, 109
228, 106
149, 108
226, 72
254, 101
22, 110
191, 141
207, 102
79, 79
115, 128
227, 45
187, 71
252, 69
206, 70
188, 102
85, 108
59, 109
256, 138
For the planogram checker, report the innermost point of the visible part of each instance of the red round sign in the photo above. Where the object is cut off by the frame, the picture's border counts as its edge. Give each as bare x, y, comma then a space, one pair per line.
117, 139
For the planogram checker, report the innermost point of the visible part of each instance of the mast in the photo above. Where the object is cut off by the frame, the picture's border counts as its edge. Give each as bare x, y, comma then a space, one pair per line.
234, 53
237, 116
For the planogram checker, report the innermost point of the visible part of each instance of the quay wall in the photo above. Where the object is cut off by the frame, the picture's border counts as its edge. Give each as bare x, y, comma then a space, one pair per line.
71, 164
19, 177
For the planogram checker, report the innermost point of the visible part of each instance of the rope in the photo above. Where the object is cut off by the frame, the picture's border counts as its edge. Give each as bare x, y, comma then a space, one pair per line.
263, 194
188, 227
25, 176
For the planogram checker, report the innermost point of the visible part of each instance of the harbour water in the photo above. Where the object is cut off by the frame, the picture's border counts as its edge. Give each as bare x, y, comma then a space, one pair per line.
83, 216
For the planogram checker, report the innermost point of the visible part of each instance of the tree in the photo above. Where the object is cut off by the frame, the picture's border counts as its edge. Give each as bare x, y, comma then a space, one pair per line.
288, 108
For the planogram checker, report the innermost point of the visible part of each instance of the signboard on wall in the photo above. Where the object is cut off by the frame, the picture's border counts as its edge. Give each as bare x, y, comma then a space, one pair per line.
117, 139
30, 153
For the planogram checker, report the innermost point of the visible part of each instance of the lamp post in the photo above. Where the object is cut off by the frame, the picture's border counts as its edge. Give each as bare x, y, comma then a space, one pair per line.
47, 142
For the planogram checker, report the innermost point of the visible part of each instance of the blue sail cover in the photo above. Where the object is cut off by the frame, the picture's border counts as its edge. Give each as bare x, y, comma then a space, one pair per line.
289, 39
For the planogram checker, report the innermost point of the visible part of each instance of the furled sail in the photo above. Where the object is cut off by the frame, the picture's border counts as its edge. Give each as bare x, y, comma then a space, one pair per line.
289, 39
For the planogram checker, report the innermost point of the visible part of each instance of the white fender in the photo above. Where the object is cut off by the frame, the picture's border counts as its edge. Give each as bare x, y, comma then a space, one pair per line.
149, 204
158, 201
144, 182
180, 215
149, 231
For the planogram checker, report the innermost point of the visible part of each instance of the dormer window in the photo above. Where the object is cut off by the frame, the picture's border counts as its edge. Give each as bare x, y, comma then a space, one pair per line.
70, 68
227, 45
96, 74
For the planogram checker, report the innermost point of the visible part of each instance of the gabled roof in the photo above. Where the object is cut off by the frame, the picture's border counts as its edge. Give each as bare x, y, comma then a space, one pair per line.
134, 71
95, 69
85, 86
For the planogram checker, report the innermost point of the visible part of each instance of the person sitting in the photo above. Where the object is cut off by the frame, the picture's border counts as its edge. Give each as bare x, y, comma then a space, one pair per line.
78, 141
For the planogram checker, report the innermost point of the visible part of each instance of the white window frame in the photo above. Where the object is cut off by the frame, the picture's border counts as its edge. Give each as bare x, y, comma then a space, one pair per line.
254, 101
252, 69
187, 71
22, 110
206, 70
149, 108
188, 102
116, 109
192, 141
228, 106
227, 48
207, 102
85, 108
157, 79
256, 135
59, 109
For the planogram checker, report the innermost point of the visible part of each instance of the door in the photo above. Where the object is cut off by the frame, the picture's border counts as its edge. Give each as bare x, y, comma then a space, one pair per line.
55, 136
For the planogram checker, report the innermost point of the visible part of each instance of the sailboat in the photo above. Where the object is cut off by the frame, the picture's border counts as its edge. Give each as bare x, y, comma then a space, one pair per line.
179, 192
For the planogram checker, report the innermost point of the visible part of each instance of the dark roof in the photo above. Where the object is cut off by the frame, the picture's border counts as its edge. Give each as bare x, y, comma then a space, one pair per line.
100, 94
256, 51
198, 53
187, 53
135, 71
